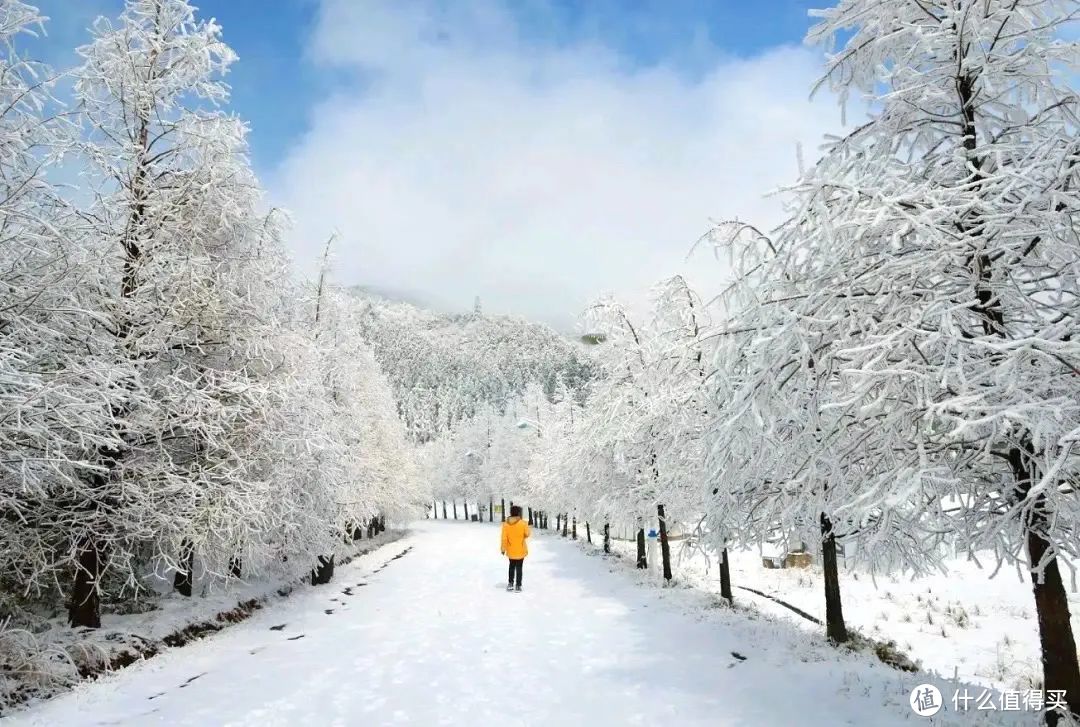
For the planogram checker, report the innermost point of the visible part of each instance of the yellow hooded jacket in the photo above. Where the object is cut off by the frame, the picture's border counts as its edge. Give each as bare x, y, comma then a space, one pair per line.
514, 532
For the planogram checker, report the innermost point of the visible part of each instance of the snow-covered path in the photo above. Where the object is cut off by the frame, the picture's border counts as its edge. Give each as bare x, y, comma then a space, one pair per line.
432, 638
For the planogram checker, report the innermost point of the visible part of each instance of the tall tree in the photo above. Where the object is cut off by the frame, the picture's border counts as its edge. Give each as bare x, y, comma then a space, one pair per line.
933, 256
173, 224
51, 401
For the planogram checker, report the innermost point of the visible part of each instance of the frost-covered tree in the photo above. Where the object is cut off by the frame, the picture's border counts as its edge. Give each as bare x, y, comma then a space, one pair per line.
545, 429
51, 397
926, 287
642, 441
174, 226
363, 464
172, 404
620, 412
684, 411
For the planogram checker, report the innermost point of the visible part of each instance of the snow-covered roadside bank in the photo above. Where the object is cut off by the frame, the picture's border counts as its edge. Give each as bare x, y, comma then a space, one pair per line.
40, 665
962, 624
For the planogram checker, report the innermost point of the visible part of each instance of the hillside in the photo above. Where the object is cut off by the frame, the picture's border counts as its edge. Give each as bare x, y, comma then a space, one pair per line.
443, 366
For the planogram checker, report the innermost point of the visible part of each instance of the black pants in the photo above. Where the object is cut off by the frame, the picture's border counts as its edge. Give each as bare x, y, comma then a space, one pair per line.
515, 571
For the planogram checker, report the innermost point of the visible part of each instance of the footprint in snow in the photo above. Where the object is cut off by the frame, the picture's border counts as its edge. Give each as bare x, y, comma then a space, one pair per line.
189, 681
328, 611
294, 638
738, 656
279, 627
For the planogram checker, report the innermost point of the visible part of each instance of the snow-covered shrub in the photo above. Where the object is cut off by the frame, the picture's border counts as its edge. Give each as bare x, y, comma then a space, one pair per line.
31, 666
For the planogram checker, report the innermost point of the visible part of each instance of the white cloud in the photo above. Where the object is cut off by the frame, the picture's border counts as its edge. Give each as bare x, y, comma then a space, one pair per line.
467, 160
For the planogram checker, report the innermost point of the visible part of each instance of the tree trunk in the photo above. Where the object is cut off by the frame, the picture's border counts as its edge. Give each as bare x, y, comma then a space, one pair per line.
455, 509
834, 612
491, 510
182, 579
573, 531
1060, 669
236, 566
665, 548
382, 523
607, 537
642, 561
725, 577
565, 526
558, 522
323, 572
466, 511
588, 533
502, 503
84, 608
444, 509
530, 517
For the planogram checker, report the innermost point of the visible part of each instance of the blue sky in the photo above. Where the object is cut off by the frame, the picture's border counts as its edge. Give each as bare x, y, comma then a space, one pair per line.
276, 81
537, 153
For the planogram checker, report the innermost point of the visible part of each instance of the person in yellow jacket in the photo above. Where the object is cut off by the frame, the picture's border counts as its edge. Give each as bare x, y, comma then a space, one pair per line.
515, 532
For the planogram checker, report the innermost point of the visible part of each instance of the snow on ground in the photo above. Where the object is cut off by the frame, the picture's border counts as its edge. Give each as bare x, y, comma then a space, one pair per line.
965, 623
423, 632
173, 611
55, 655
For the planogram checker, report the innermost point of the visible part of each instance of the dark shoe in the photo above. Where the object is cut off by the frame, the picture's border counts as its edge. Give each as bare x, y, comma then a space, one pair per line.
509, 586
517, 589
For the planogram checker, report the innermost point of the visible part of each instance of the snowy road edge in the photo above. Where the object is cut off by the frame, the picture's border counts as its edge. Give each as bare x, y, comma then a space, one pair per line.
117, 649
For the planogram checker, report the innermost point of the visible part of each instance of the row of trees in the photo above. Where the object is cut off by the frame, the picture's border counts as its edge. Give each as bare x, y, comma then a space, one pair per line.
897, 366
629, 452
169, 397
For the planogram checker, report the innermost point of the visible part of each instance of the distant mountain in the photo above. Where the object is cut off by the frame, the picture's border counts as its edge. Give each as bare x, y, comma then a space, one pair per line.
445, 366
